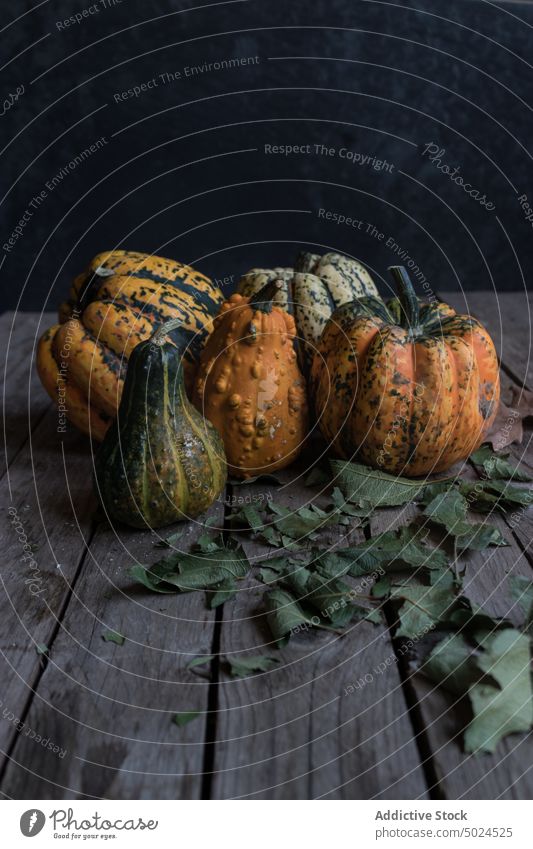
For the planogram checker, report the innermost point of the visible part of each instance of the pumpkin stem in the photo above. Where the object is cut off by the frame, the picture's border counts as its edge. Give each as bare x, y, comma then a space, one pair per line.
159, 335
92, 283
263, 299
407, 298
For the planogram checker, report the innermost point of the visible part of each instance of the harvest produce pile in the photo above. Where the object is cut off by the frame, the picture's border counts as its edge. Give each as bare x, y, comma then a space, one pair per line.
184, 389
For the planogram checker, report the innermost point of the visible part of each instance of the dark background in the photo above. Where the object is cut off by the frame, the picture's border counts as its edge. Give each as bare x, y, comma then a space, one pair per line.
183, 171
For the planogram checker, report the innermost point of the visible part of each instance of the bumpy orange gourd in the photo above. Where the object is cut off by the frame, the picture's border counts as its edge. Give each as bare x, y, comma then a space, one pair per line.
118, 302
249, 384
410, 387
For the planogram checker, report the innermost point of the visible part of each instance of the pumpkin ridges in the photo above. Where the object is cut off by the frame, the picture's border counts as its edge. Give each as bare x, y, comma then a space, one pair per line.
167, 289
432, 421
384, 398
154, 268
349, 350
95, 369
85, 417
155, 453
116, 326
454, 361
469, 425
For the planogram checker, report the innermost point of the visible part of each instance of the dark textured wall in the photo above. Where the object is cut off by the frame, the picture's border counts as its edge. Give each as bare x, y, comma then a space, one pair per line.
182, 170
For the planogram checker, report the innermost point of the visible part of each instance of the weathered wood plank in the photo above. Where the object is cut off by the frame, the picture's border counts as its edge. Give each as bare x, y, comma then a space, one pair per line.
24, 399
109, 706
305, 729
48, 491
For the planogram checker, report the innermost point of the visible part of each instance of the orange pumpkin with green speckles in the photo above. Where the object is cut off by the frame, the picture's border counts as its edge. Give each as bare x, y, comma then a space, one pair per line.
249, 384
114, 305
410, 387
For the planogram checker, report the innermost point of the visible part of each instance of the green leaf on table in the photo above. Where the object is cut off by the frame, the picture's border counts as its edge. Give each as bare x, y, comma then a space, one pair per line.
369, 488
201, 660
345, 507
248, 516
302, 524
273, 569
495, 675
449, 509
422, 608
169, 542
113, 637
453, 665
181, 719
497, 466
390, 550
284, 614
476, 537
382, 587
249, 665
484, 496
208, 542
469, 617
182, 572
522, 592
204, 571
509, 709
222, 592
333, 599
296, 580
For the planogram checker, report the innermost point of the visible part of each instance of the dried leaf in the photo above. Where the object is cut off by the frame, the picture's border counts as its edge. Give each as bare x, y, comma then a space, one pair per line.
181, 719
200, 661
497, 466
113, 637
249, 665
370, 489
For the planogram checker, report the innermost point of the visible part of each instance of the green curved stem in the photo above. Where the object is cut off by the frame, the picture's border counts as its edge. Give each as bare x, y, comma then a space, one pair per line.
158, 336
407, 298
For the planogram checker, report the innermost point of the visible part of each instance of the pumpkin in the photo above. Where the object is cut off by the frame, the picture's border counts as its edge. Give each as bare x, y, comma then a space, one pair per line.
160, 460
311, 291
115, 304
249, 384
412, 387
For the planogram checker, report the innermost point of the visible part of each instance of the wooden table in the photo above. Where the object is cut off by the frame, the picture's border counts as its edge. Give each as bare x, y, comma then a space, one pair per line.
296, 732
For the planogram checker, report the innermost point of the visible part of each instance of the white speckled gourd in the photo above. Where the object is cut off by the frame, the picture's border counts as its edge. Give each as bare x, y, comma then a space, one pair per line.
311, 291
